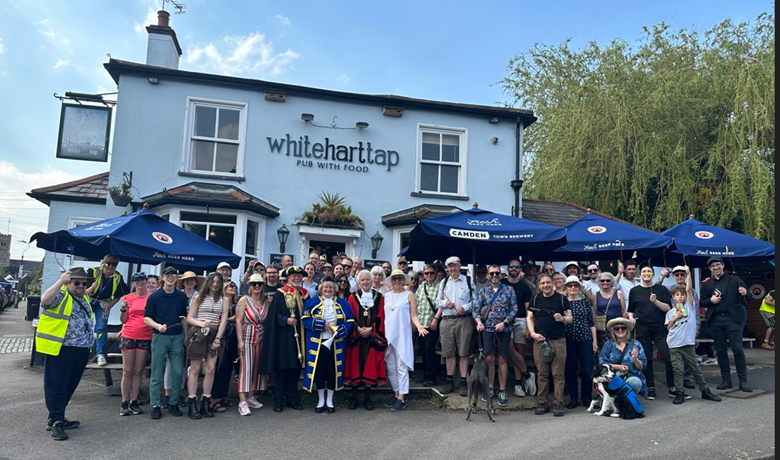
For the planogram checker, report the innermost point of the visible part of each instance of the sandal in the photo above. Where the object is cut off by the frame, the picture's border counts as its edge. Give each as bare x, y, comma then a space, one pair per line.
218, 406
228, 403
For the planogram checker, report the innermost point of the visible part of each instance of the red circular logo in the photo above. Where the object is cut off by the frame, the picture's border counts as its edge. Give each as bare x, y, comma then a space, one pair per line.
705, 235
162, 237
597, 229
757, 290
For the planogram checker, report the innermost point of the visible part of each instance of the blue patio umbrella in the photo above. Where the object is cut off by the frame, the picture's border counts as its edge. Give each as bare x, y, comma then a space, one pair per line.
480, 236
142, 237
697, 241
593, 237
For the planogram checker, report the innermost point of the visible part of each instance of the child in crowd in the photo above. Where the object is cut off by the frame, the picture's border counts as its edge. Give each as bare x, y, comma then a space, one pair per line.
681, 324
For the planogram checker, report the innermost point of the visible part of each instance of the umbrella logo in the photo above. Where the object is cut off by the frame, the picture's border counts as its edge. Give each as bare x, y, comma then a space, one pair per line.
162, 237
469, 234
597, 229
704, 235
757, 290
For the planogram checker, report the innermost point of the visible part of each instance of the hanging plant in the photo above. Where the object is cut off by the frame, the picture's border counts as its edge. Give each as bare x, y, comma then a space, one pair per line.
120, 194
332, 211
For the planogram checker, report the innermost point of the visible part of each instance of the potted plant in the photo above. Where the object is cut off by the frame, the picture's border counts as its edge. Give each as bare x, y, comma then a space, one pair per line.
120, 194
332, 211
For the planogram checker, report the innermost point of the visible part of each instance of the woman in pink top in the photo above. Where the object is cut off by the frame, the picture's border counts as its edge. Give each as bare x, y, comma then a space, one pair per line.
135, 342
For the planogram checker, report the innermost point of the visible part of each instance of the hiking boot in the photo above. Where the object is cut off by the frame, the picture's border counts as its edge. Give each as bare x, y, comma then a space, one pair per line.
398, 406
193, 411
205, 407
464, 388
542, 409
530, 384
125, 410
353, 404
519, 391
725, 385
766, 346
58, 431
156, 413
391, 401
447, 388
175, 411
491, 392
572, 404
134, 408
558, 410
101, 360
707, 394
651, 393
502, 399
679, 398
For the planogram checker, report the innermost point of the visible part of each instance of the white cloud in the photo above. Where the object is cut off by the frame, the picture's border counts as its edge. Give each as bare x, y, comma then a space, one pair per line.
61, 64
45, 29
284, 20
344, 79
150, 19
241, 54
2, 46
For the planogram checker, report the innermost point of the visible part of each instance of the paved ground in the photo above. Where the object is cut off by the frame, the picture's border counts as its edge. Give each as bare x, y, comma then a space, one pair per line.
697, 429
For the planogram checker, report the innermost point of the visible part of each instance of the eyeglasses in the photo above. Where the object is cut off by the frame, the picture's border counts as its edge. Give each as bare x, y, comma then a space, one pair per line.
111, 264
679, 274
605, 281
494, 274
513, 266
619, 328
80, 283
593, 270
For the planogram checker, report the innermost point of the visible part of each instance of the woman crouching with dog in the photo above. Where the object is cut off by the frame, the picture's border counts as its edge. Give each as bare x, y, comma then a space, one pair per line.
625, 356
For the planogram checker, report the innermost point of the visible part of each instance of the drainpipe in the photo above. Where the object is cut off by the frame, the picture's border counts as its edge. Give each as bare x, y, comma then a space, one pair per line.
517, 183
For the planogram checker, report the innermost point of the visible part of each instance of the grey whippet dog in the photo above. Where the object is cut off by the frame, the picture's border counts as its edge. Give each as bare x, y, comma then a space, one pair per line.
478, 383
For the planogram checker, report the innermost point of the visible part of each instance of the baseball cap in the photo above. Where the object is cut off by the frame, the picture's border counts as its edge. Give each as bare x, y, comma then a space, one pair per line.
138, 276
224, 264
170, 271
714, 259
452, 260
678, 268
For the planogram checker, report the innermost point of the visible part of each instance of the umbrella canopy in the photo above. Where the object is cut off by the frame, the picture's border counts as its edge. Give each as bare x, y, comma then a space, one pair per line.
138, 237
594, 237
480, 234
697, 241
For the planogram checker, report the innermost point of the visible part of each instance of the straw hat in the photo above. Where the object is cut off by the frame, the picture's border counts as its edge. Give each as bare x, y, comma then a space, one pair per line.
398, 272
189, 275
615, 321
256, 278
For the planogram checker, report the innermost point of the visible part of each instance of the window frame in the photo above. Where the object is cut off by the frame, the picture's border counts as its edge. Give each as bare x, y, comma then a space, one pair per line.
189, 135
462, 134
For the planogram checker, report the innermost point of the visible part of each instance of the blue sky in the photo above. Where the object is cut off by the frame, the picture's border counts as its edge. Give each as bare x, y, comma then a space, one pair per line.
454, 51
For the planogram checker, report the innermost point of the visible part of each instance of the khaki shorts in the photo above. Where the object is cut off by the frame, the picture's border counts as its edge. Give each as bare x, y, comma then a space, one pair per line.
769, 318
456, 336
519, 328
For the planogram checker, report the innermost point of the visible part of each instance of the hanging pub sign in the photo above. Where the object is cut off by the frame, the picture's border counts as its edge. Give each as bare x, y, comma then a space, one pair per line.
84, 132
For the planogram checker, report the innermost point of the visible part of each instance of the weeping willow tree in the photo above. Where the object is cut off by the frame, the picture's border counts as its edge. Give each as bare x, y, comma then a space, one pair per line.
678, 123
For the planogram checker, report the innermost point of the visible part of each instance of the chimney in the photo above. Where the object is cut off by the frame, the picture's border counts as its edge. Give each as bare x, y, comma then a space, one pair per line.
163, 48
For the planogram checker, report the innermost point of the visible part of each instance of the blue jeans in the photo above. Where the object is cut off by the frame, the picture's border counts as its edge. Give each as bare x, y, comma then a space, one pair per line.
579, 363
101, 328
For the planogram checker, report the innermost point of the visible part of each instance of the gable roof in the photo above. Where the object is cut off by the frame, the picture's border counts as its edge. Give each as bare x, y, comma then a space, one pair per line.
92, 189
215, 195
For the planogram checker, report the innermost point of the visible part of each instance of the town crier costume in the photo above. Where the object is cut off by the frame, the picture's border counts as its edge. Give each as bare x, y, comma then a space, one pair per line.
365, 354
284, 339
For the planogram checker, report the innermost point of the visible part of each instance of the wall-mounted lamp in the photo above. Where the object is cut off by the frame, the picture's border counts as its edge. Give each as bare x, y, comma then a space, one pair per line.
307, 117
282, 233
154, 80
361, 125
494, 140
494, 120
376, 243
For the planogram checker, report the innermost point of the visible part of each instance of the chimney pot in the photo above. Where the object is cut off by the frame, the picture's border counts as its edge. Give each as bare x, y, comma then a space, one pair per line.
163, 18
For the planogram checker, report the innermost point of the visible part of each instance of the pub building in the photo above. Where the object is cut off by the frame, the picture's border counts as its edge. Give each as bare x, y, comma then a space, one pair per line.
239, 161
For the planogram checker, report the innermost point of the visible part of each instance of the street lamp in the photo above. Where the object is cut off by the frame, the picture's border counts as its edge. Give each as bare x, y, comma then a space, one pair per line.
282, 233
21, 263
376, 243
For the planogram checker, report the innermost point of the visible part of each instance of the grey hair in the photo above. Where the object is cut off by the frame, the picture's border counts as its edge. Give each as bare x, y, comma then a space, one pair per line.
327, 283
376, 269
363, 273
608, 275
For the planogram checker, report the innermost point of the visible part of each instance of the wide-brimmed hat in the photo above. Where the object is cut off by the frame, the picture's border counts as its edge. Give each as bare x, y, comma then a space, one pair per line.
256, 278
532, 263
398, 272
572, 279
615, 321
570, 263
79, 273
187, 276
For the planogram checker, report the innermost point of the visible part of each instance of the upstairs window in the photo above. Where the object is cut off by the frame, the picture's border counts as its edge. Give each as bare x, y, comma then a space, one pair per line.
441, 161
216, 141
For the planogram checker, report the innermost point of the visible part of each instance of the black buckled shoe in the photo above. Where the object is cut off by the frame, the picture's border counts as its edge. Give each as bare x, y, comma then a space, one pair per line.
367, 404
319, 409
331, 410
353, 404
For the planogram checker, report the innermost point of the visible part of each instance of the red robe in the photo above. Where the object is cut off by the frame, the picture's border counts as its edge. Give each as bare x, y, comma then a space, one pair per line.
365, 356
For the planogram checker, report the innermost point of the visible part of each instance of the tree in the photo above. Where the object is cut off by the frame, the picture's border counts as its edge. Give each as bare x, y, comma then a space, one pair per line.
676, 124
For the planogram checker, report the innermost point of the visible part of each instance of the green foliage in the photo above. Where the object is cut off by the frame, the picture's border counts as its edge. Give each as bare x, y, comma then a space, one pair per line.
123, 189
332, 210
673, 125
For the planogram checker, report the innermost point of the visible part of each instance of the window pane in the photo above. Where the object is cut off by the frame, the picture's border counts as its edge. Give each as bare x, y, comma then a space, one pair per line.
429, 177
198, 229
227, 154
228, 124
449, 179
251, 237
205, 120
406, 238
208, 217
450, 149
430, 147
202, 155
221, 236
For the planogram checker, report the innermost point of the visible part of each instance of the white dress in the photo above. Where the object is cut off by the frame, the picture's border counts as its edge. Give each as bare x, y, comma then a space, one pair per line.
398, 326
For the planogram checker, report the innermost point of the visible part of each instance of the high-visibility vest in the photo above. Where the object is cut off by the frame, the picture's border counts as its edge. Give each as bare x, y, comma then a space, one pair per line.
53, 324
97, 273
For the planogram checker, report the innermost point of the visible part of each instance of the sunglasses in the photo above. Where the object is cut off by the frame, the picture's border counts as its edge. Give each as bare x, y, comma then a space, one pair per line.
259, 269
494, 274
574, 286
605, 281
403, 263
111, 264
255, 284
592, 270
170, 275
513, 266
679, 274
620, 328
80, 283
346, 266
342, 281
231, 285
429, 273
549, 270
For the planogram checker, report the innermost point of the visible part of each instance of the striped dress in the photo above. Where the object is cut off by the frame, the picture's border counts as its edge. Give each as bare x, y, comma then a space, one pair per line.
252, 333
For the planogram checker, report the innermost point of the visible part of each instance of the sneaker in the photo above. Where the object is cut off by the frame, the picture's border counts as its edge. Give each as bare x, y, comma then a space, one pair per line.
766, 346
175, 411
689, 385
398, 406
530, 384
464, 388
651, 393
519, 391
101, 360
447, 388
710, 362
253, 403
165, 401
134, 408
491, 392
699, 359
673, 394
679, 397
125, 410
156, 413
67, 424
58, 431
391, 401
243, 408
502, 399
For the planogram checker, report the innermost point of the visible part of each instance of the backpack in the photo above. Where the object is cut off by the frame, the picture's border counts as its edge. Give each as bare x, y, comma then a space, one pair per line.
468, 283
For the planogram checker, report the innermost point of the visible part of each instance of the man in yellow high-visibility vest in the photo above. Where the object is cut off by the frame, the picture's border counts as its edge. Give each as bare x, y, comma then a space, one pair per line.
65, 334
109, 288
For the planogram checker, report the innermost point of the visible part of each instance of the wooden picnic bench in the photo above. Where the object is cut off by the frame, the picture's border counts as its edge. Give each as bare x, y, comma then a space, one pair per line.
749, 341
114, 362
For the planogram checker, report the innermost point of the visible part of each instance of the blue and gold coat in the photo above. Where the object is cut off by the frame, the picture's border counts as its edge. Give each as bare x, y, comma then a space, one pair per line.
314, 324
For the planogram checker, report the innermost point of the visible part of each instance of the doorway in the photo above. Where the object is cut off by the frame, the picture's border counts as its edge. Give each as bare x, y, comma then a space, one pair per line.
329, 248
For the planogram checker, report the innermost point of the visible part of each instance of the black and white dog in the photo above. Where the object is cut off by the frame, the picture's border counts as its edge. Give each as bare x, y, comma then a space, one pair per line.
618, 399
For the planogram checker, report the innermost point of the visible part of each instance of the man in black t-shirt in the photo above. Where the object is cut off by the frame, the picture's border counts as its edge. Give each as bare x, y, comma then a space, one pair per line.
271, 282
647, 307
525, 381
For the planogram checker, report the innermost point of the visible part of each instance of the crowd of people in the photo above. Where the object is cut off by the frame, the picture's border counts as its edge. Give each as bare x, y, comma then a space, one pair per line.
347, 327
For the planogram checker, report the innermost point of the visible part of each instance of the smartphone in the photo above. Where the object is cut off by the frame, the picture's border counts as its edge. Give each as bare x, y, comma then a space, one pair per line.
717, 292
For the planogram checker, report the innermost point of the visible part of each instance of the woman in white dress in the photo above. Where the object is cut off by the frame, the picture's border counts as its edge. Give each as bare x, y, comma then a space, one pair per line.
400, 310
